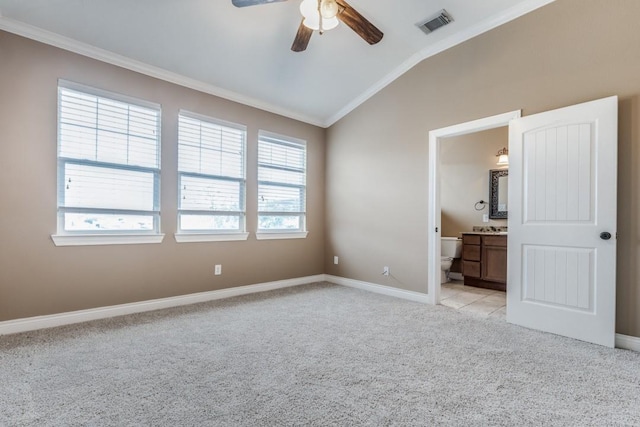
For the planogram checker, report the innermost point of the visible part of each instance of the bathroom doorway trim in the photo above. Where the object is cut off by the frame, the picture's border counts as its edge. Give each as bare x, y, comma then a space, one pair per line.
434, 212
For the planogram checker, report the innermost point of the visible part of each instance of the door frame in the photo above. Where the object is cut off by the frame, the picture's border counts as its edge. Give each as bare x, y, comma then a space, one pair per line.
434, 226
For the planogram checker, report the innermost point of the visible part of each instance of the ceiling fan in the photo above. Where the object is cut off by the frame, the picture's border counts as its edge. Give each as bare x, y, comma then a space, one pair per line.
322, 15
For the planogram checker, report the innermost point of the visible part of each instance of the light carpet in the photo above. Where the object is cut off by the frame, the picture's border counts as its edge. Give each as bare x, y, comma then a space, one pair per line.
316, 355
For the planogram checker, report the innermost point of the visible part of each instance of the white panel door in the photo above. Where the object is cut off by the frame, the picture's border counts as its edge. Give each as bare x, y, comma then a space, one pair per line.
562, 201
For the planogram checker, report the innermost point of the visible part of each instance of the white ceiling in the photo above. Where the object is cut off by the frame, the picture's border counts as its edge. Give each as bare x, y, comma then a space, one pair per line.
244, 54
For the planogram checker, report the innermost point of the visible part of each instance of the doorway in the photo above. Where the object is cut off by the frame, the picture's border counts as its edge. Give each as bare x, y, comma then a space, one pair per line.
562, 218
471, 185
434, 213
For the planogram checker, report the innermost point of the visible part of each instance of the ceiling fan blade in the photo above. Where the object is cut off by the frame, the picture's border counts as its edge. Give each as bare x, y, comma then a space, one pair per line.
244, 3
302, 38
358, 23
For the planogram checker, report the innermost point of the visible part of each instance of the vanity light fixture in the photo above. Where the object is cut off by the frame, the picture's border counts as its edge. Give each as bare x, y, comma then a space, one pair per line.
503, 157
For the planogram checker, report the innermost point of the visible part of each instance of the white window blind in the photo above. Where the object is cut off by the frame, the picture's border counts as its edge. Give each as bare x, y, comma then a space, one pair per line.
108, 162
282, 178
211, 174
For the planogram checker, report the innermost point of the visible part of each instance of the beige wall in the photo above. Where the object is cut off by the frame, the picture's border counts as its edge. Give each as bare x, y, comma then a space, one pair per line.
565, 53
376, 164
37, 278
465, 162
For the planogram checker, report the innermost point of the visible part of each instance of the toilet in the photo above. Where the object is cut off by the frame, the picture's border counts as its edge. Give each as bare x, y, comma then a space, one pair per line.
450, 248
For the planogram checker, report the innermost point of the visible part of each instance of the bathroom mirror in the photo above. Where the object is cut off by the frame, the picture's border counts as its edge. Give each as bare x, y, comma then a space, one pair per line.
498, 190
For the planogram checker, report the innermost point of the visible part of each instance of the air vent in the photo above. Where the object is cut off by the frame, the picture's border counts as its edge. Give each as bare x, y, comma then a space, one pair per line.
441, 19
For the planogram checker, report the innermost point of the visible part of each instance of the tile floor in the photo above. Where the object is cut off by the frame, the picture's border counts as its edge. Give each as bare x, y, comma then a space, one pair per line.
476, 301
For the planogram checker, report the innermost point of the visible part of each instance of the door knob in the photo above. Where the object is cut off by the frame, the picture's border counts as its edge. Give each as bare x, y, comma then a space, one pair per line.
605, 235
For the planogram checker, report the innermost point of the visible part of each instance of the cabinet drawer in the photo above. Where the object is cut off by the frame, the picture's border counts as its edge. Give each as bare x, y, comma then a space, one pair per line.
494, 241
471, 269
471, 252
470, 239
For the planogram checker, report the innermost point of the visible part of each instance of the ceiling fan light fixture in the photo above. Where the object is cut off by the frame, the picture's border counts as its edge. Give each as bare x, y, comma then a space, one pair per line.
309, 8
329, 9
313, 22
315, 10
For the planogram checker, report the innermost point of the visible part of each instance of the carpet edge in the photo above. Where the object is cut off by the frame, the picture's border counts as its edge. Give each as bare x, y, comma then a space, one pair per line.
67, 318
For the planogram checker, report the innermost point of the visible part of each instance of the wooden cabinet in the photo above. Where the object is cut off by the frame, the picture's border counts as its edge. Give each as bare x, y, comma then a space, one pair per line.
484, 261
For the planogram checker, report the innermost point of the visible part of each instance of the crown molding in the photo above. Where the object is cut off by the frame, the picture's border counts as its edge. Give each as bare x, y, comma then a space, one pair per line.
482, 27
103, 55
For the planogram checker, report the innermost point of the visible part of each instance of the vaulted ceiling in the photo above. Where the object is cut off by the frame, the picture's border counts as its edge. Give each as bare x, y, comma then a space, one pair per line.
244, 54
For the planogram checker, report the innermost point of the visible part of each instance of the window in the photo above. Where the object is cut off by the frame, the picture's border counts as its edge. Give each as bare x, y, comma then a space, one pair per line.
108, 164
282, 177
211, 178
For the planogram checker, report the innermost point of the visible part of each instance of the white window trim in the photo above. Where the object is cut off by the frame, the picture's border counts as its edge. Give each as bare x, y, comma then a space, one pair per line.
117, 237
264, 234
105, 239
281, 235
187, 236
109, 94
210, 237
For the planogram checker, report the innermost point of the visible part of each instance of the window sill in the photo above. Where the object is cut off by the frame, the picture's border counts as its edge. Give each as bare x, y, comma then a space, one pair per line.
219, 237
265, 235
113, 239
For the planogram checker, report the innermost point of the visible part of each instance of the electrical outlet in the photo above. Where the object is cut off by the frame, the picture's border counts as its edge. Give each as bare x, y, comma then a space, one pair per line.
485, 218
385, 271
335, 260
218, 269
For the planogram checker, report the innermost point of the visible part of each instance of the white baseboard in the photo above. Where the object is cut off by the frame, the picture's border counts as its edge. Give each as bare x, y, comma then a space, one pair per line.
53, 320
628, 342
378, 289
49, 321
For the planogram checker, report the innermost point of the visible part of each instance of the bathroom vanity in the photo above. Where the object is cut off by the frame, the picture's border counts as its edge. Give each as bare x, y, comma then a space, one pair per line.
484, 260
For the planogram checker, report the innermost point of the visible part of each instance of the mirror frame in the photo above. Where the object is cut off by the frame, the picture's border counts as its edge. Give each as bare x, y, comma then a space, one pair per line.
494, 175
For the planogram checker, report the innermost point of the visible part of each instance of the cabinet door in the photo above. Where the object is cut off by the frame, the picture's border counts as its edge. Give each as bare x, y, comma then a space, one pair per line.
494, 263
